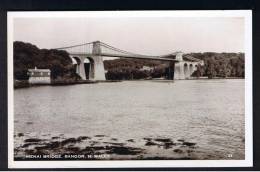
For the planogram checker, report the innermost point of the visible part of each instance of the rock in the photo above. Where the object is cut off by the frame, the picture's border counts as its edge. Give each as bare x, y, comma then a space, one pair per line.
55, 137
73, 149
26, 145
20, 134
70, 140
189, 144
32, 140
131, 140
112, 143
163, 140
190, 151
150, 143
168, 145
178, 151
83, 138
99, 135
52, 145
125, 150
149, 139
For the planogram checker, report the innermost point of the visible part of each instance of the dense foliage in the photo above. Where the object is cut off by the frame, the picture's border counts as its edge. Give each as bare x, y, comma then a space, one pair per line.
221, 64
126, 69
28, 56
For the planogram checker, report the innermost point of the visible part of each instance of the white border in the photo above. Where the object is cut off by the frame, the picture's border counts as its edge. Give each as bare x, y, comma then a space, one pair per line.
248, 162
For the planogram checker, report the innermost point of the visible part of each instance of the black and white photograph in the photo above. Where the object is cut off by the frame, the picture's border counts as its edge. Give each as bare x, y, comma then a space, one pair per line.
130, 89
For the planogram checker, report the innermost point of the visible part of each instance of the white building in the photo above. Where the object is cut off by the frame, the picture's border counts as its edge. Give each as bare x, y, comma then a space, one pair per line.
146, 68
39, 76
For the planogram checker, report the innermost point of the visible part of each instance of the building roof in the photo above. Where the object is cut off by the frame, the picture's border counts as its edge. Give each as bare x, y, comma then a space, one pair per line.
187, 57
39, 70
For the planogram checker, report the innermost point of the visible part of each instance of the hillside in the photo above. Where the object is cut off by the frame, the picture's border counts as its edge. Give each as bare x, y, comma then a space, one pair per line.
127, 69
221, 64
28, 56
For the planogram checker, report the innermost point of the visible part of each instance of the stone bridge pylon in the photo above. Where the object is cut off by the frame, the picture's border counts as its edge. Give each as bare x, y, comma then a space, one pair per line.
95, 69
186, 65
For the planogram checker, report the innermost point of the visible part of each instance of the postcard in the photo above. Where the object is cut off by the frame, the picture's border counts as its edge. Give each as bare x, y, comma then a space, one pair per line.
96, 89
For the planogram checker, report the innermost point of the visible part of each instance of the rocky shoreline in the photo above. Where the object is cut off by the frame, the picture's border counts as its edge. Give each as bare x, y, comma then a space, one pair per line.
101, 147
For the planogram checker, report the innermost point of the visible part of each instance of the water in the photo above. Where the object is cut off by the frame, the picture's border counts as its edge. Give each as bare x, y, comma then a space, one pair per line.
209, 113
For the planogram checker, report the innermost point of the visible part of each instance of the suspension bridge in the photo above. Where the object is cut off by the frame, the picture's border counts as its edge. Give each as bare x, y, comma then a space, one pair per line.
95, 51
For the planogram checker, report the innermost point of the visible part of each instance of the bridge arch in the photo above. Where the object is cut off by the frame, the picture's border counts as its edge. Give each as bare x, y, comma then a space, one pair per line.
186, 70
89, 67
191, 69
76, 61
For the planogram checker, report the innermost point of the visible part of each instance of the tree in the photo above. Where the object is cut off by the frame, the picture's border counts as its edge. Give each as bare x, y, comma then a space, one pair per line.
28, 56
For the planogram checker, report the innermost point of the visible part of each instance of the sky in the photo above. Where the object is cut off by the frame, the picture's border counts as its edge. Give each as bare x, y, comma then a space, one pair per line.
142, 35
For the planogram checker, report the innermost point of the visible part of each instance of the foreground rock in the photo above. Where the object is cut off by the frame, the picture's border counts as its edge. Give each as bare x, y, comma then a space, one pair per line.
100, 147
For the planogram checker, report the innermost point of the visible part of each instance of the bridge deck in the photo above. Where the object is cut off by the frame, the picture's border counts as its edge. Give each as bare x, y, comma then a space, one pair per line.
124, 56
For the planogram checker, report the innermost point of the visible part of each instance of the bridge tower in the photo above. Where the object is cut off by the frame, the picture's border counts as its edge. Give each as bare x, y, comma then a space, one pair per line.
96, 67
99, 71
183, 69
179, 67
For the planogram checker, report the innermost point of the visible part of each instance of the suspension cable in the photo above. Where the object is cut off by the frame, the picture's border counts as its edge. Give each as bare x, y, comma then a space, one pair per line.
115, 49
73, 46
126, 52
